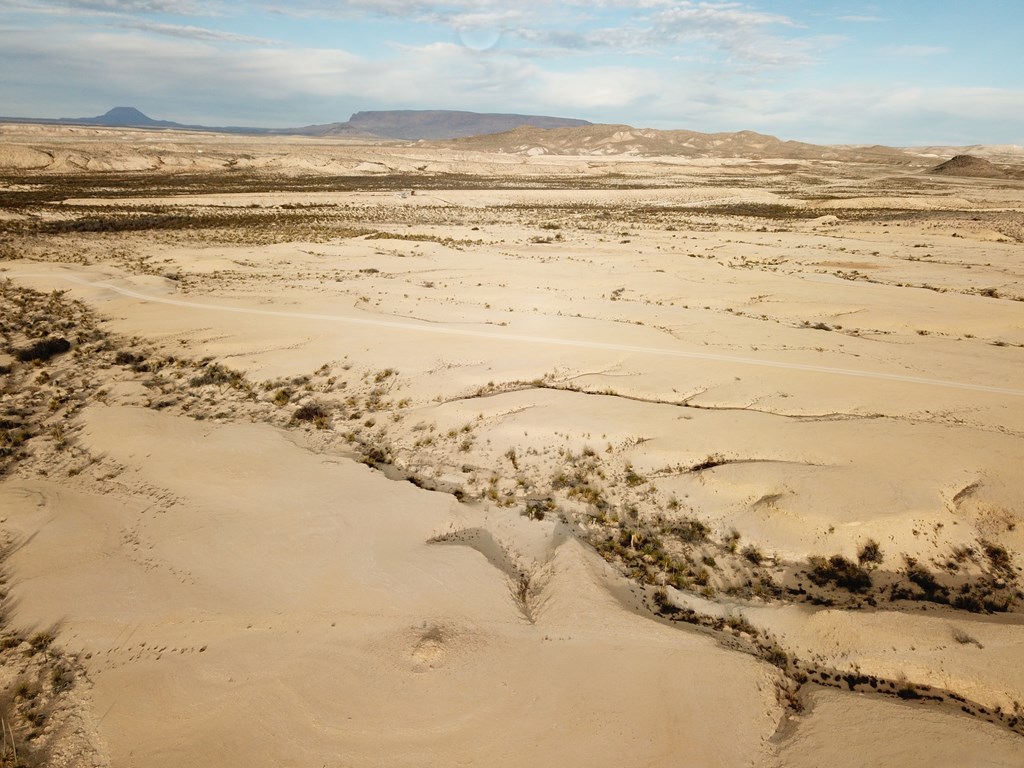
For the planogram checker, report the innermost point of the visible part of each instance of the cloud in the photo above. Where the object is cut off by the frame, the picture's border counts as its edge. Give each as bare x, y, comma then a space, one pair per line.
197, 77
715, 18
900, 116
861, 19
132, 7
197, 33
282, 85
641, 27
748, 38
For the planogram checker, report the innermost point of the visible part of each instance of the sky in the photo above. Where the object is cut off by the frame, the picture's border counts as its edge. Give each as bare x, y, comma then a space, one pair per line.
899, 72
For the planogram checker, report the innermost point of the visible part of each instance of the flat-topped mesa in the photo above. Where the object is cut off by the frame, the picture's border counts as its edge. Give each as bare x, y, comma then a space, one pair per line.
449, 124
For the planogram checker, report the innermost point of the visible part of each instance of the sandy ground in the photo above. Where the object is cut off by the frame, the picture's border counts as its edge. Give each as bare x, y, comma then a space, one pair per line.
802, 357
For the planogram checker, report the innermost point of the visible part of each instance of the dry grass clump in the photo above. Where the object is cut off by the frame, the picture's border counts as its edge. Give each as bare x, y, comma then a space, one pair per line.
870, 553
315, 412
839, 571
215, 374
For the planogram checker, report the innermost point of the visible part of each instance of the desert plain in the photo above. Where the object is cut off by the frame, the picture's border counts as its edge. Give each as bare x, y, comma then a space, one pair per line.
499, 453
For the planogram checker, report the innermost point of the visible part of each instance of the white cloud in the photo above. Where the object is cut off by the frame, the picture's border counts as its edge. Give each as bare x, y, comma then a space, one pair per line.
132, 7
197, 33
736, 29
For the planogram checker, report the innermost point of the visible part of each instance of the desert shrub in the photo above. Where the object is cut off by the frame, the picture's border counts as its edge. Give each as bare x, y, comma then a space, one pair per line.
310, 412
633, 478
216, 374
908, 692
536, 509
61, 679
839, 571
997, 555
967, 601
43, 349
689, 530
740, 624
963, 638
712, 461
24, 690
41, 640
732, 540
125, 357
752, 554
777, 657
870, 553
373, 457
926, 582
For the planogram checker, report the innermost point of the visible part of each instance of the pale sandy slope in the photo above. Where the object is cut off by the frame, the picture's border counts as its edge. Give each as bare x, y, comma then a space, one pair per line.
246, 602
851, 730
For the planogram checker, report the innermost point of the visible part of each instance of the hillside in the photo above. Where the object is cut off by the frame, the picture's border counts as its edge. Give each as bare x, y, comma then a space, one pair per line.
447, 124
646, 142
969, 166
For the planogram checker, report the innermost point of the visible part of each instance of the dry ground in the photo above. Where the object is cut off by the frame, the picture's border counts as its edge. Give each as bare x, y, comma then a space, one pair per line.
710, 463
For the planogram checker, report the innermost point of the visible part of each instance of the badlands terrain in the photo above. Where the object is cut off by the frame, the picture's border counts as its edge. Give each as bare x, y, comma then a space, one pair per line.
529, 450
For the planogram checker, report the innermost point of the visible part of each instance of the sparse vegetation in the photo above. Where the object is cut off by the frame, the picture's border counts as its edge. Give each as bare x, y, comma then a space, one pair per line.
653, 531
311, 411
752, 554
840, 572
43, 349
870, 553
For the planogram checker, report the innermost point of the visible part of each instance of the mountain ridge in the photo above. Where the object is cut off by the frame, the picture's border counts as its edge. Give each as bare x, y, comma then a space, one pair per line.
401, 124
533, 135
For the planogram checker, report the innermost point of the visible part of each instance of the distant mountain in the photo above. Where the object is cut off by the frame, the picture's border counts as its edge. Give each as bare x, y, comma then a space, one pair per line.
124, 117
447, 124
400, 124
649, 142
534, 135
118, 117
430, 124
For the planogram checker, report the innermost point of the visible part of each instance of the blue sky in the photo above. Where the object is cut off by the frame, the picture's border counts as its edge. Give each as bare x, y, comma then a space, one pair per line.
902, 72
